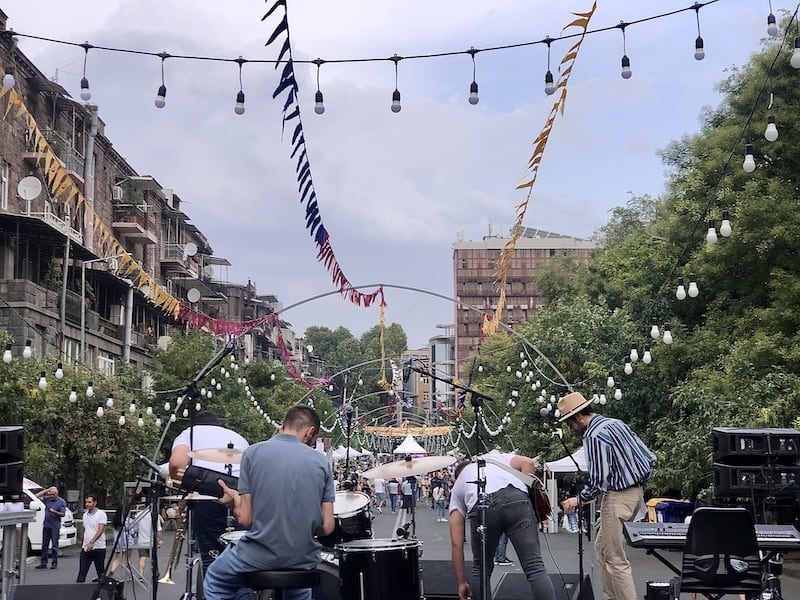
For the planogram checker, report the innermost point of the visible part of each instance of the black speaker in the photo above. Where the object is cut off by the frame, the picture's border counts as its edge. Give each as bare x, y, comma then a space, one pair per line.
64, 591
12, 443
759, 480
514, 586
736, 446
438, 580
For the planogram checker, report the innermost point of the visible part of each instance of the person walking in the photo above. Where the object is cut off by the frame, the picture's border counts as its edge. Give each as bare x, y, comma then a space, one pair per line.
508, 510
619, 466
394, 489
500, 557
93, 550
439, 502
55, 507
124, 531
144, 538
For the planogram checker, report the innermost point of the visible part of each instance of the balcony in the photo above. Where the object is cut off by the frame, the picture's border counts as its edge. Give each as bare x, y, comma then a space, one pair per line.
130, 223
174, 260
57, 223
72, 160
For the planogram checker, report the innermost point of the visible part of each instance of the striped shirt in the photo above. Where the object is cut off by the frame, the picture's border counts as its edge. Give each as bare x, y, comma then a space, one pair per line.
616, 457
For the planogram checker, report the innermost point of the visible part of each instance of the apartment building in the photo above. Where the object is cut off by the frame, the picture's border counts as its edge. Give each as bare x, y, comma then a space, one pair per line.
474, 266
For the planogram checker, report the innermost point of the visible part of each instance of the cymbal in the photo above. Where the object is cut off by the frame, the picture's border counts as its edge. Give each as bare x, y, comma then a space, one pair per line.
406, 468
227, 456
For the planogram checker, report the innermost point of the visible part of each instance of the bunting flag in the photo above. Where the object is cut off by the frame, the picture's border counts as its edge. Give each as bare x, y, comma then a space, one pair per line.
62, 188
565, 68
305, 182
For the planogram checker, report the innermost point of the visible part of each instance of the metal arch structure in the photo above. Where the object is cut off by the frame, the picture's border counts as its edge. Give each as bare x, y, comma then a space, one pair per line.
458, 303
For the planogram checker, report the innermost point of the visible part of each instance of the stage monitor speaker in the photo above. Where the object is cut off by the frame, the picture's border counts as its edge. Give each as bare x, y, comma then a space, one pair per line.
11, 481
12, 443
514, 586
776, 480
63, 591
12, 453
438, 580
736, 446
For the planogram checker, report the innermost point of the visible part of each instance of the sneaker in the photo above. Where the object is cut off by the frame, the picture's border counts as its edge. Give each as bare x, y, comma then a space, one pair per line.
41, 566
503, 561
54, 566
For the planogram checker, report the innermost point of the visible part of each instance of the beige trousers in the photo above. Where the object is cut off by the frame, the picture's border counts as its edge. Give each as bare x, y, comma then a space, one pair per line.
615, 568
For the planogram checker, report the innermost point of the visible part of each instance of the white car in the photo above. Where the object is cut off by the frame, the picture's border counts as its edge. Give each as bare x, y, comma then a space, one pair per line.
68, 535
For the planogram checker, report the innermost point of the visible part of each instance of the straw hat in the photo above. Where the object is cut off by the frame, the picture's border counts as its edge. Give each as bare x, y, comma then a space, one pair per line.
572, 404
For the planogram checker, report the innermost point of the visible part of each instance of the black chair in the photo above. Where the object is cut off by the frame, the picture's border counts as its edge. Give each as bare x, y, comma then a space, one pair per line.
280, 580
721, 554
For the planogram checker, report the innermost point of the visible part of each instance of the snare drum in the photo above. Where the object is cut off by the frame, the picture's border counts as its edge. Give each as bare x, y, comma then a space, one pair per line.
231, 537
352, 519
384, 568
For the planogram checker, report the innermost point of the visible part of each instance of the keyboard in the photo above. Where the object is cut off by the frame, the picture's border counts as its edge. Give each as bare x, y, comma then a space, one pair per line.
673, 535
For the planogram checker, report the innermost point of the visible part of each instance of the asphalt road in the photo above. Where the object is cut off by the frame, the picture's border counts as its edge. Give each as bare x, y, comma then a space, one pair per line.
560, 553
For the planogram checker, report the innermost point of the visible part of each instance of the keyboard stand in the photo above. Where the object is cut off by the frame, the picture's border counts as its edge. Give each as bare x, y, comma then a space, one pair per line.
664, 561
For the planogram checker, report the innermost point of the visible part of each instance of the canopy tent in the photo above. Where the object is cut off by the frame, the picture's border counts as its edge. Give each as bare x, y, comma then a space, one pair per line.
410, 446
340, 453
567, 464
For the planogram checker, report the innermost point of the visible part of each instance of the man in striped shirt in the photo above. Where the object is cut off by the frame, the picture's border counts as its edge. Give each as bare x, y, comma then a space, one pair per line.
619, 465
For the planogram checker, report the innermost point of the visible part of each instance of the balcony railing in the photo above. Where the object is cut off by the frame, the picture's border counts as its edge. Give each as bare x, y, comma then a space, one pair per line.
72, 159
57, 223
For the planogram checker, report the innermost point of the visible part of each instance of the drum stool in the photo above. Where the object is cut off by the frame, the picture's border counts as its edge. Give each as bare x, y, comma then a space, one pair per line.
280, 580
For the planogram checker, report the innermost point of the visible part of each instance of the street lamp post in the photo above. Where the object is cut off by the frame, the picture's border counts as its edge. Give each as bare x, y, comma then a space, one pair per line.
83, 301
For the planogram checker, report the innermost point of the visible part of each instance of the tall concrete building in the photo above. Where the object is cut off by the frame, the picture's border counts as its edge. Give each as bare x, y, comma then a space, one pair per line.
474, 268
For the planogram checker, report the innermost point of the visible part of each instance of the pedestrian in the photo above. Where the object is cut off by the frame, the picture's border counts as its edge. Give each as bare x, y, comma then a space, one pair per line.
93, 550
55, 507
124, 531
394, 490
407, 488
285, 498
144, 537
380, 493
439, 503
508, 510
500, 557
619, 466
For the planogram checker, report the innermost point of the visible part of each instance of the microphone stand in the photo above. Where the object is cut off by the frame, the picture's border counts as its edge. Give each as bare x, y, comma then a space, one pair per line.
348, 415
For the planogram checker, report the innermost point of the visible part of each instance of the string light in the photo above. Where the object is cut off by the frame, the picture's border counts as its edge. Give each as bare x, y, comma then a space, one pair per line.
667, 334
140, 420
73, 395
549, 86
654, 333
749, 164
795, 59
772, 25
319, 108
628, 366
647, 358
618, 394
725, 229
86, 94
110, 401
59, 371
396, 106
771, 132
161, 95
711, 234
634, 355
693, 289
27, 352
699, 50
610, 381
8, 78
7, 354
239, 106
473, 87
680, 292
90, 390
626, 62
99, 412
121, 420
43, 381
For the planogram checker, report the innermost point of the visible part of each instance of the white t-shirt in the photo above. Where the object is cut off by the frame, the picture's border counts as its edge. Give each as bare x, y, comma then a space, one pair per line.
211, 436
380, 486
464, 495
92, 523
144, 528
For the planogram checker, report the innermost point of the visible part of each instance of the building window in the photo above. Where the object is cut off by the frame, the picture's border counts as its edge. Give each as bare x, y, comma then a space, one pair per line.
5, 171
106, 365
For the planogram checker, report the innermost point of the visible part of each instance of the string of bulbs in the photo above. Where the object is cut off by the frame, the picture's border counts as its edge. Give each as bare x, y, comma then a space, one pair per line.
396, 106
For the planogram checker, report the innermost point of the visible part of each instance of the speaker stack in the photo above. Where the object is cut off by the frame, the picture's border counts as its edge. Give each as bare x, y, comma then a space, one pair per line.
12, 456
758, 469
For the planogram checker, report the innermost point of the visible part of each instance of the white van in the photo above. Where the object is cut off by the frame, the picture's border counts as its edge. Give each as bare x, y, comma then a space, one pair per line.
68, 535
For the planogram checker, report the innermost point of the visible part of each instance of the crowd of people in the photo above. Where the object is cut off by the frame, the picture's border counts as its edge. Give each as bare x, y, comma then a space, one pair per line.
284, 504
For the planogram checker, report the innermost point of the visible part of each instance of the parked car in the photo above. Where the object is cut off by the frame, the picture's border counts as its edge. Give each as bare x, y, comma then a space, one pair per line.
68, 535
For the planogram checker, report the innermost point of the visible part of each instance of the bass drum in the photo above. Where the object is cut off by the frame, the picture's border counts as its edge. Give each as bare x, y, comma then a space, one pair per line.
384, 568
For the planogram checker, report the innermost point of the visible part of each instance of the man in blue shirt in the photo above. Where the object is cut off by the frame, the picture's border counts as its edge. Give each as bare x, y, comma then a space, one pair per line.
55, 507
619, 465
285, 496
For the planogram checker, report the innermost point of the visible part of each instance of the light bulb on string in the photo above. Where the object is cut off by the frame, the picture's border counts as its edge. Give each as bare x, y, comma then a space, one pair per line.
473, 87
218, 386
749, 163
89, 390
149, 411
699, 51
772, 25
8, 79
73, 394
86, 94
647, 358
121, 420
43, 381
625, 62
771, 132
618, 394
396, 106
725, 229
110, 401
197, 407
654, 333
238, 108
158, 421
667, 334
185, 412
167, 406
680, 291
795, 59
27, 352
140, 420
628, 366
634, 355
132, 408
694, 291
161, 95
711, 234
602, 398
549, 86
59, 371
610, 381
99, 412
172, 418
7, 354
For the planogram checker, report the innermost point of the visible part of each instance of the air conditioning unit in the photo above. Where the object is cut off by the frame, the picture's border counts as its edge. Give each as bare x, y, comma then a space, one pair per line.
117, 193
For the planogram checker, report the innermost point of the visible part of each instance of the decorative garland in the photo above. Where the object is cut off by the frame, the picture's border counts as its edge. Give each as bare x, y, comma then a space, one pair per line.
565, 67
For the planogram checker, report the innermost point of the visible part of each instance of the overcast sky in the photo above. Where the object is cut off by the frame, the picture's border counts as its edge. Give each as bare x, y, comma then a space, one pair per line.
395, 190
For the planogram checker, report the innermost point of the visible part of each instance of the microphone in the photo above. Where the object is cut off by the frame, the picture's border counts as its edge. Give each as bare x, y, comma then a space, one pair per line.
403, 530
150, 464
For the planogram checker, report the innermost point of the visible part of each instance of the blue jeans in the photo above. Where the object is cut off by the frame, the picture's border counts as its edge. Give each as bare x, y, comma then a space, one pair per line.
502, 544
50, 535
224, 580
509, 511
393, 501
441, 510
87, 559
209, 520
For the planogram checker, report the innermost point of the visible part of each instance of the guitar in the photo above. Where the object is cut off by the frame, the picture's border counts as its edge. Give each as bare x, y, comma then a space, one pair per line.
536, 493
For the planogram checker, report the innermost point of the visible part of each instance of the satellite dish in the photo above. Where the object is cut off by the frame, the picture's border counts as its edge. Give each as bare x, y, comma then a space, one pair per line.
190, 249
29, 187
193, 295
163, 342
208, 271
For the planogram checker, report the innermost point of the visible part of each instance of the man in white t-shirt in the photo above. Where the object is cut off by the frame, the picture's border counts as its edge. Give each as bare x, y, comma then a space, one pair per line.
93, 550
508, 511
209, 518
144, 537
380, 493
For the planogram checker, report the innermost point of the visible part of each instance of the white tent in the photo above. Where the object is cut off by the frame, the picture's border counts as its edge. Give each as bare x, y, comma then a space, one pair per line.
410, 446
566, 464
341, 452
